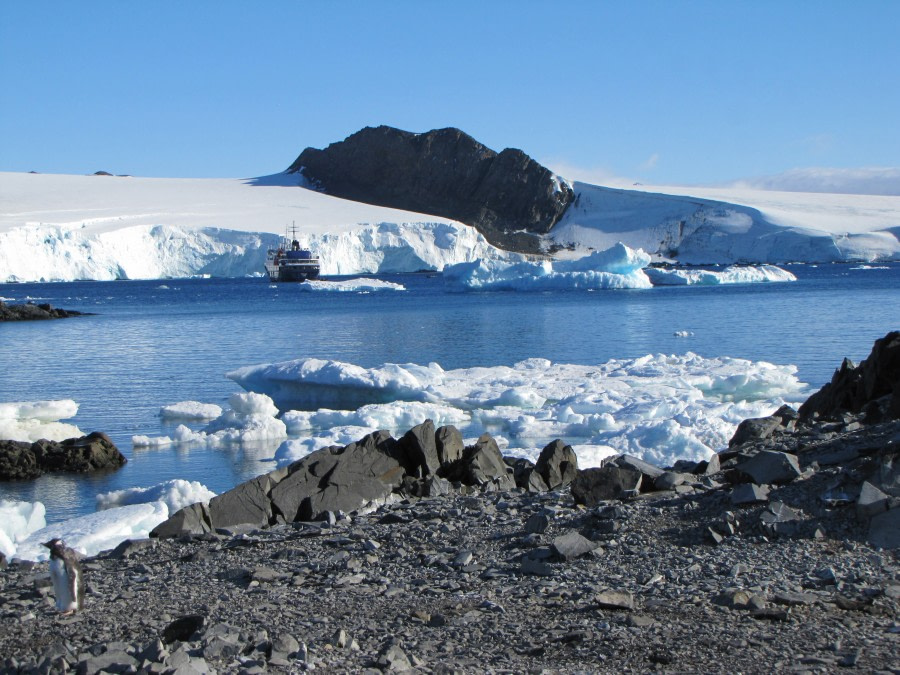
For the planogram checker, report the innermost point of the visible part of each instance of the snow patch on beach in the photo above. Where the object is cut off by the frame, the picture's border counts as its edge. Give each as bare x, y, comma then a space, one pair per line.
18, 520
96, 532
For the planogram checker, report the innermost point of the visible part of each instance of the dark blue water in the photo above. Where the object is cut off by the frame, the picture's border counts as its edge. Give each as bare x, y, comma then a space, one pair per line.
153, 343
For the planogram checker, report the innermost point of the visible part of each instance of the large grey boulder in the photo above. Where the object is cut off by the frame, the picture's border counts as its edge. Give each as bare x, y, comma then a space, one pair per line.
595, 485
557, 464
419, 449
482, 463
769, 467
191, 520
649, 472
884, 529
246, 504
449, 442
339, 479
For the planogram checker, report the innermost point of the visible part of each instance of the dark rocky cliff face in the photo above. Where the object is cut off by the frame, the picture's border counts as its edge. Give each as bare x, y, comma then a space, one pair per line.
508, 196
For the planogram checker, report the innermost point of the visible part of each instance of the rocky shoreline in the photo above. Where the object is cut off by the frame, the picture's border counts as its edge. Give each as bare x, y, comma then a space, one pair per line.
779, 554
31, 312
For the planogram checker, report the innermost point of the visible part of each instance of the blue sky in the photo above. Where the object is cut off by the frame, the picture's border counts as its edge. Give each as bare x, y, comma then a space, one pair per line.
677, 92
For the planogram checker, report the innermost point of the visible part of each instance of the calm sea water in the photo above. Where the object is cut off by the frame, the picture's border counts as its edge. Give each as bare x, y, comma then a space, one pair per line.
153, 343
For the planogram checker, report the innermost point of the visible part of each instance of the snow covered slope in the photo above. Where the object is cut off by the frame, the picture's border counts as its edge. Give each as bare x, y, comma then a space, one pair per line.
706, 225
55, 227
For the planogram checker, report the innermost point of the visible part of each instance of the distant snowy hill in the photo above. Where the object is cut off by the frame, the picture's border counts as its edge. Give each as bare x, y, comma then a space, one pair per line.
55, 227
726, 225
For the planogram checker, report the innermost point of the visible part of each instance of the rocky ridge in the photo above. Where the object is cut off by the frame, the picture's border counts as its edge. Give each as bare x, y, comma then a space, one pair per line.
778, 554
507, 196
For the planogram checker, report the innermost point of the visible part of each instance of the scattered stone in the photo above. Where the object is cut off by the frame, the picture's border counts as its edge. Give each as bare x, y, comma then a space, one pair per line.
614, 600
595, 485
572, 545
769, 467
749, 493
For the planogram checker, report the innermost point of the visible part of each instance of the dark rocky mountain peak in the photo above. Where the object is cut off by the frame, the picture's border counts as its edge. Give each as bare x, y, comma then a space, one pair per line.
507, 196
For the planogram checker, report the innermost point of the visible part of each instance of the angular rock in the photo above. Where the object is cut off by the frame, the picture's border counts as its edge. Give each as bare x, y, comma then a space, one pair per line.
592, 486
246, 504
419, 448
871, 501
615, 600
573, 545
749, 493
754, 429
557, 464
648, 471
192, 520
182, 628
482, 463
339, 479
884, 530
779, 518
769, 467
670, 479
449, 443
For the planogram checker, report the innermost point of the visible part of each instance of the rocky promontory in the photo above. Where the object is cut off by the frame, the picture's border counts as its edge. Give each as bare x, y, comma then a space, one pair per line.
507, 196
421, 554
31, 312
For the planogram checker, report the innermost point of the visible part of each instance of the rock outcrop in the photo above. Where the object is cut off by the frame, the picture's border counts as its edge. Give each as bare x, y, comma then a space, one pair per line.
507, 196
31, 312
372, 471
20, 460
872, 387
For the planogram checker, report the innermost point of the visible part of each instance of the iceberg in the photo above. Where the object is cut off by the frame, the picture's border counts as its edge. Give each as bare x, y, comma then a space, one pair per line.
659, 407
730, 275
32, 421
190, 410
616, 267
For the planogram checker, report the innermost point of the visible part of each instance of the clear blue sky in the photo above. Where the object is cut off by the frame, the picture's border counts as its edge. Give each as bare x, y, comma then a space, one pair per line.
687, 92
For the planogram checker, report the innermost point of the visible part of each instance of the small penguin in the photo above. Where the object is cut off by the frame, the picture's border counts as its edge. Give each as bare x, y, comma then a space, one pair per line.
68, 579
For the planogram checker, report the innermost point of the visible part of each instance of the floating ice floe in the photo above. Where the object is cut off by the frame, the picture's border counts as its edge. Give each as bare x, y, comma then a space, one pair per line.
616, 267
683, 333
31, 421
190, 410
350, 286
96, 532
730, 275
252, 419
18, 520
662, 408
175, 494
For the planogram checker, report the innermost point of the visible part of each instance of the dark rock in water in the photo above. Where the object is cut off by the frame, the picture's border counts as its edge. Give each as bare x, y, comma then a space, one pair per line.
94, 452
592, 486
508, 196
31, 312
853, 387
557, 464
